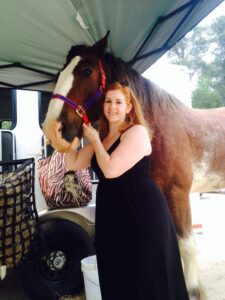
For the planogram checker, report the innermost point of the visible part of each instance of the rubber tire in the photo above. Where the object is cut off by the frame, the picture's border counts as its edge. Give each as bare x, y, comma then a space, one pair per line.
37, 280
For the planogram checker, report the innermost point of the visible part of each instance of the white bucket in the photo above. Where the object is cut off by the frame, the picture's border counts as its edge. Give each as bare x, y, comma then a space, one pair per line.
91, 281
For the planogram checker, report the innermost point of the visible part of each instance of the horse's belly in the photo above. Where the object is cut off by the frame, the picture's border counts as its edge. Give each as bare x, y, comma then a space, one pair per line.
206, 180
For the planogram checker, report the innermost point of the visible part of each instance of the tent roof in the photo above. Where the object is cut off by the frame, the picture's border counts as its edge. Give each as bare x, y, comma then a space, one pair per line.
38, 34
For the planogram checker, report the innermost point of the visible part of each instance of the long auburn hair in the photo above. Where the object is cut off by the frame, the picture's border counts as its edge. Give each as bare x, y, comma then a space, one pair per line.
134, 117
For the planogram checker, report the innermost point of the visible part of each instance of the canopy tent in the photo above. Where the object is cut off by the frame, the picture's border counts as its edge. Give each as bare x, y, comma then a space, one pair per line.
35, 36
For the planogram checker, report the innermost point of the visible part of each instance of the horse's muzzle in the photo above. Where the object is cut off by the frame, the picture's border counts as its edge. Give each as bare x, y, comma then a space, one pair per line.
53, 132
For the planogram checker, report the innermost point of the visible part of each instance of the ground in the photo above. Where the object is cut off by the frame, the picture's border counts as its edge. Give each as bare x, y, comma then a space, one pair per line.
209, 211
211, 244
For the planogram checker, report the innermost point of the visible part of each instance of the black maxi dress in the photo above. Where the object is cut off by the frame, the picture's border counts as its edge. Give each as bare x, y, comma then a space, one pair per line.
136, 245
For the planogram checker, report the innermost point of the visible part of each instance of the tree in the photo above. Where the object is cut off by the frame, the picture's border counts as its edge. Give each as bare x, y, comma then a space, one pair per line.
218, 65
203, 96
190, 51
202, 51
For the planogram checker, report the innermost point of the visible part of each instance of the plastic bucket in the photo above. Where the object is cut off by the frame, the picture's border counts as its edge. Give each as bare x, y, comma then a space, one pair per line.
91, 281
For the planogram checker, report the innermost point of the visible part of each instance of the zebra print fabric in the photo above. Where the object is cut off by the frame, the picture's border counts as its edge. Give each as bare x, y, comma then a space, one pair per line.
62, 189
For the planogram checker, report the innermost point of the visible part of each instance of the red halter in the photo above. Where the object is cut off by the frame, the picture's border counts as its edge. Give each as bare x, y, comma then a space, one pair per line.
81, 109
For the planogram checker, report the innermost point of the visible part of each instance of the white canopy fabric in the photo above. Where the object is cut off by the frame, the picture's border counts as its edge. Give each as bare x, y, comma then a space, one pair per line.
38, 34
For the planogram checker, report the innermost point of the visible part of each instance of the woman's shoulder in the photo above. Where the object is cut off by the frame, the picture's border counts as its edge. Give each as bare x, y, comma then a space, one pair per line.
138, 135
136, 130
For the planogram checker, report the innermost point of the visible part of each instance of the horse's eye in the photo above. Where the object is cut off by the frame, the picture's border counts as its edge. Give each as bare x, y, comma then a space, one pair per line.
87, 72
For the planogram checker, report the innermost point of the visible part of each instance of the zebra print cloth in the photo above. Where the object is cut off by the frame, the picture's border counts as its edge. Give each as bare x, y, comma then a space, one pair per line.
62, 189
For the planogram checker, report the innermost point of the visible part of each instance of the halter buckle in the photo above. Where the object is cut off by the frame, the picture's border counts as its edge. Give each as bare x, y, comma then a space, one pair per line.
80, 110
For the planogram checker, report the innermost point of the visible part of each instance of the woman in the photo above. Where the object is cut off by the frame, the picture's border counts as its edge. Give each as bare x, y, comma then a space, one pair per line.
136, 246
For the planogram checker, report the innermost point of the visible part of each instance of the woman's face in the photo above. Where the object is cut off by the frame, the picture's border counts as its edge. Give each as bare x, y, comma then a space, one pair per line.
115, 106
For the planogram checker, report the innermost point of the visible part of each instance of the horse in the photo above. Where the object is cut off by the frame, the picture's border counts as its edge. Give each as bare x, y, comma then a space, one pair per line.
188, 145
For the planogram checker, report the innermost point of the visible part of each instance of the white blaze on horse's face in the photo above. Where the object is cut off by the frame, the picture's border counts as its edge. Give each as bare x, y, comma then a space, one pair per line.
63, 86
65, 79
51, 127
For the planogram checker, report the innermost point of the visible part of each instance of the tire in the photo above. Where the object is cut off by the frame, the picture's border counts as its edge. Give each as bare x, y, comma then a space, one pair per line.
53, 269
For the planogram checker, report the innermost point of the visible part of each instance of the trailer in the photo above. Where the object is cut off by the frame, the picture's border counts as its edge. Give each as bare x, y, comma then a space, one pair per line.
67, 234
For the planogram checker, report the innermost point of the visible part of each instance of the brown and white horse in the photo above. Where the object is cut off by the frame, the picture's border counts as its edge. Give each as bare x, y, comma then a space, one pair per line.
188, 145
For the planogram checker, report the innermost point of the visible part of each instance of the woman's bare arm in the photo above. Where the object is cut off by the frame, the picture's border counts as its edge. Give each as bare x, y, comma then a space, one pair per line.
79, 159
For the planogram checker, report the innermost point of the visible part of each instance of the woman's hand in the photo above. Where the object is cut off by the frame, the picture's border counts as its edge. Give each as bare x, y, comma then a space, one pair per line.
90, 133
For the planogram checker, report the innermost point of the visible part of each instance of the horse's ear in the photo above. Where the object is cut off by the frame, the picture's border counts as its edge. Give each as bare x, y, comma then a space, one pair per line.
100, 47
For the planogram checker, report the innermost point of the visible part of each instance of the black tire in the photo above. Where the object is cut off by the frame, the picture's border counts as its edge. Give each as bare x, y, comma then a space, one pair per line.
53, 269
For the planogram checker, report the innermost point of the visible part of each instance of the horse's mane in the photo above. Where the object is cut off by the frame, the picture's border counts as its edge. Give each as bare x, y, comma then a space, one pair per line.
149, 94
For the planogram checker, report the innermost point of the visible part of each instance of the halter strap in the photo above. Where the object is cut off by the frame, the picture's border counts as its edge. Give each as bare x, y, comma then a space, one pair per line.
81, 109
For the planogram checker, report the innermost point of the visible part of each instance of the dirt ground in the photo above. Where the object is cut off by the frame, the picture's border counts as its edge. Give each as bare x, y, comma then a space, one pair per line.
213, 279
209, 211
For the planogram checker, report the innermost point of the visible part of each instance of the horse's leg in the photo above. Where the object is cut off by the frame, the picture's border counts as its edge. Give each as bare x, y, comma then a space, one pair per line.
188, 252
179, 205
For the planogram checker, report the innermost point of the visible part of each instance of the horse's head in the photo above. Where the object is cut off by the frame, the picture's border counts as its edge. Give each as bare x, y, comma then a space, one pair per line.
80, 84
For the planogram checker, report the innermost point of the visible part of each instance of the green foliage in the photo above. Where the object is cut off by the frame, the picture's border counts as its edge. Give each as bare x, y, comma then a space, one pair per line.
202, 51
217, 33
190, 51
205, 97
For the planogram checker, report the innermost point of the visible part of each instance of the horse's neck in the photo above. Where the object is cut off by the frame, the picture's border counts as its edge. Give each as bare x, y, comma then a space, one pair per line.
157, 104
